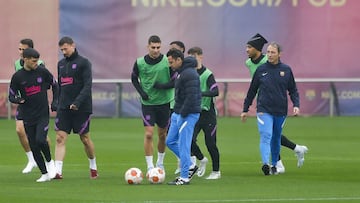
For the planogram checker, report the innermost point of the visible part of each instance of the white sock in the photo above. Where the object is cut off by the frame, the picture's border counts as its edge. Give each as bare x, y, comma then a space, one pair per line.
59, 166
149, 161
296, 149
160, 158
30, 156
92, 163
193, 161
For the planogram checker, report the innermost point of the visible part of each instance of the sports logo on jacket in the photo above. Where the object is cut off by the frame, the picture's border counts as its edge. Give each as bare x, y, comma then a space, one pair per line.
282, 73
32, 90
66, 81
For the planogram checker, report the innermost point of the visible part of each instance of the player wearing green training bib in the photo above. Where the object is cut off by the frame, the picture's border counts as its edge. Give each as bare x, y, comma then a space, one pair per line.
253, 65
207, 121
150, 74
148, 71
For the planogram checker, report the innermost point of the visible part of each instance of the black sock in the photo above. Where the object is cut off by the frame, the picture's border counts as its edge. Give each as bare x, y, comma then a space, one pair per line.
287, 143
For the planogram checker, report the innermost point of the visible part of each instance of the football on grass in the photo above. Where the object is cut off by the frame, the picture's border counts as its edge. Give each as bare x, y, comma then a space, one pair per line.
133, 176
156, 175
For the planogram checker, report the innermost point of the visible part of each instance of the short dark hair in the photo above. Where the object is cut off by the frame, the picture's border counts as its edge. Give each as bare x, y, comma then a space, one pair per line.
179, 43
175, 53
154, 39
66, 40
31, 53
27, 42
195, 50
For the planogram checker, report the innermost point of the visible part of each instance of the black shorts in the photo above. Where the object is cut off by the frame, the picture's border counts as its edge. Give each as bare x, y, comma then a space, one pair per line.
156, 114
78, 122
19, 113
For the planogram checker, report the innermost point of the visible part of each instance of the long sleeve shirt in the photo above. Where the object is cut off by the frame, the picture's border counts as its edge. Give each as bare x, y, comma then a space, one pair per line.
271, 83
75, 80
32, 86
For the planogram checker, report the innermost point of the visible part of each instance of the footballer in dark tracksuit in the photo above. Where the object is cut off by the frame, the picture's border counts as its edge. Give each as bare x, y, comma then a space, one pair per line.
186, 113
207, 121
28, 88
75, 104
75, 81
270, 83
19, 64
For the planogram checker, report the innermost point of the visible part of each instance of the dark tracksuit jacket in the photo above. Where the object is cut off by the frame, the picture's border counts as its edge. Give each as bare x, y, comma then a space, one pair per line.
32, 86
75, 81
271, 83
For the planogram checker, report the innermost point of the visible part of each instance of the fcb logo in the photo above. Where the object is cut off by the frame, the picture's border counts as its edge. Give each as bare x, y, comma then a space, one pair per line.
73, 66
39, 80
310, 94
282, 73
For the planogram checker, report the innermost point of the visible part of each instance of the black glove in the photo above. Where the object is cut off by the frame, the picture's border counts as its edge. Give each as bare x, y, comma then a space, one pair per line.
144, 96
19, 100
54, 106
157, 85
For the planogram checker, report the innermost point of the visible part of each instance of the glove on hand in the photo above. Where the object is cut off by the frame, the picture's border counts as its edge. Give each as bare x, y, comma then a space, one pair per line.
144, 96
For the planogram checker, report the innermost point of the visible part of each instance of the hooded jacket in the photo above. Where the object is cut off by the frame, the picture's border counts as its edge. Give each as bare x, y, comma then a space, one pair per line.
187, 89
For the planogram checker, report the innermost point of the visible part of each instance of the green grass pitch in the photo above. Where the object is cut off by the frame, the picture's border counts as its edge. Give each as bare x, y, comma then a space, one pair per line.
330, 172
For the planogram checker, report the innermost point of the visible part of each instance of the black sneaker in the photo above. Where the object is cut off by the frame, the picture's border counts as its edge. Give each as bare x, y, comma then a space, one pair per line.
266, 169
179, 181
192, 172
274, 170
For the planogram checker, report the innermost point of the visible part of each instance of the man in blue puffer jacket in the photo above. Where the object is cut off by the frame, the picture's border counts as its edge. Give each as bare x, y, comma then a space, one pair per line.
186, 111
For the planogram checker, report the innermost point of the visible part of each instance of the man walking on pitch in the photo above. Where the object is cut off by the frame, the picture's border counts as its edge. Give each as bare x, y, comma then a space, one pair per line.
271, 83
20, 130
207, 121
186, 112
75, 104
28, 88
256, 58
